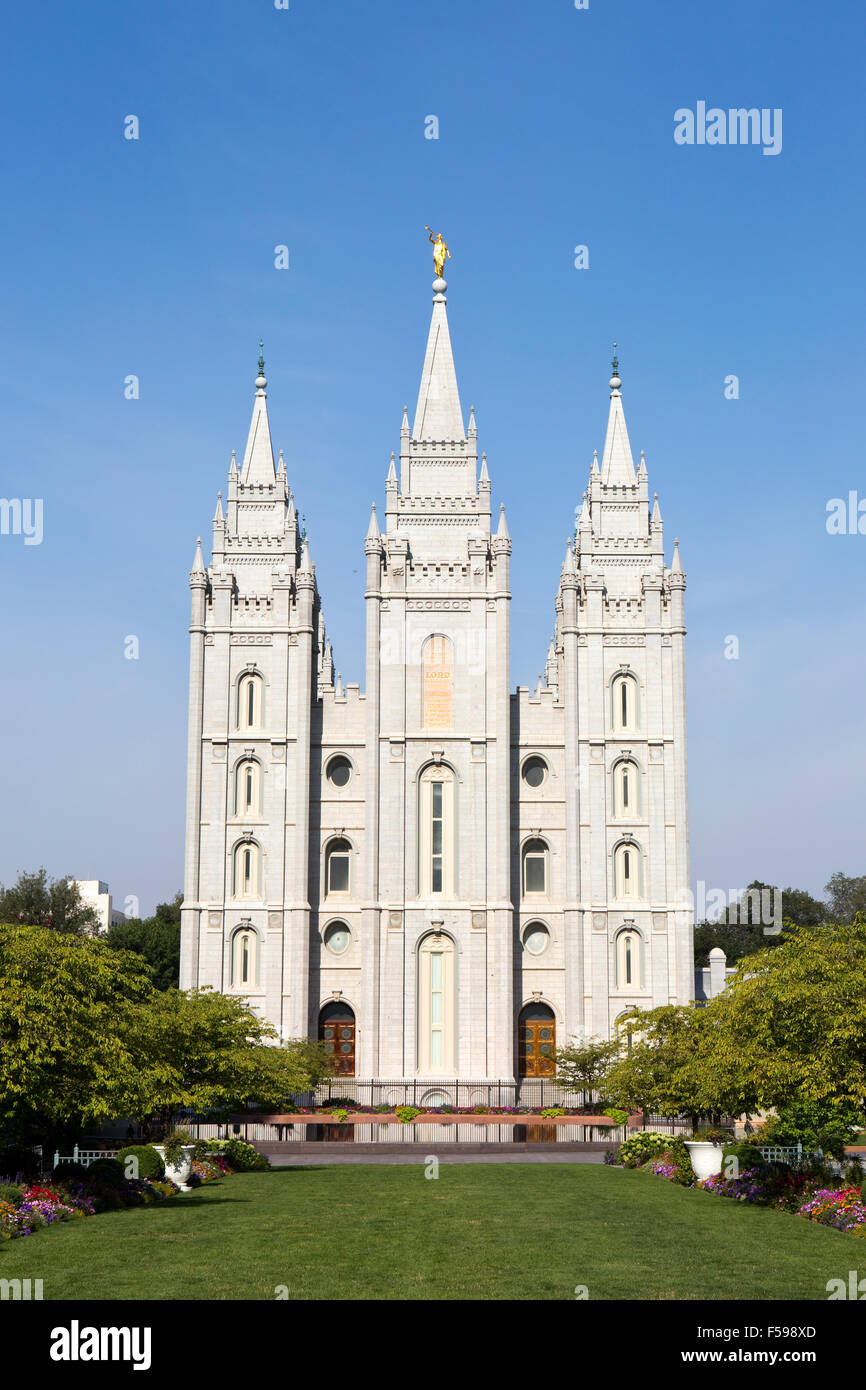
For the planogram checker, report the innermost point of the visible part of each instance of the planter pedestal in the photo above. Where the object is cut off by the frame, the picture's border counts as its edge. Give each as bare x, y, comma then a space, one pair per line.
706, 1158
178, 1172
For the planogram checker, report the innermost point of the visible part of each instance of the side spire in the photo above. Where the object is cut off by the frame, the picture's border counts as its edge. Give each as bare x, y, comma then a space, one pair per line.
258, 465
617, 464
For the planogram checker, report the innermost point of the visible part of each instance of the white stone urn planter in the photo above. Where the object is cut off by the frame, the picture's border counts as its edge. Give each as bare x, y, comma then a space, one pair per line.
178, 1172
706, 1158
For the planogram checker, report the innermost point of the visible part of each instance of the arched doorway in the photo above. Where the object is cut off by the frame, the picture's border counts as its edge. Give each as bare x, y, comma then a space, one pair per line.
337, 1032
536, 1031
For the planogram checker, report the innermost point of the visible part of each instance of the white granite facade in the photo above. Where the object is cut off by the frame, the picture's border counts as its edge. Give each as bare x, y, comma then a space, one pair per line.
419, 924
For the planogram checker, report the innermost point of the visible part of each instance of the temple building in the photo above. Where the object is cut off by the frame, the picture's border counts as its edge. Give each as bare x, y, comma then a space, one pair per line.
441, 877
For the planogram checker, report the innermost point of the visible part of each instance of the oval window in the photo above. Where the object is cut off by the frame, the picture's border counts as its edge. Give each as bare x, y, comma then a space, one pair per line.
339, 771
337, 937
534, 771
536, 938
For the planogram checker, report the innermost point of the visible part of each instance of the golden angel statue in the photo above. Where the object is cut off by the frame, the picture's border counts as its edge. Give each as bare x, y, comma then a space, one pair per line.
440, 251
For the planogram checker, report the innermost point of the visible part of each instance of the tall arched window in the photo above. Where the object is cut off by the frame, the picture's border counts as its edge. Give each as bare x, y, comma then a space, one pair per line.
536, 1041
244, 957
628, 955
627, 870
436, 831
337, 1032
436, 1010
535, 867
626, 790
624, 703
246, 870
250, 701
338, 866
248, 787
437, 676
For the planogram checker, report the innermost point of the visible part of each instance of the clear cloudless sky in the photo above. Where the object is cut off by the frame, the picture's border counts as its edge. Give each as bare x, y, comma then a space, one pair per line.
306, 127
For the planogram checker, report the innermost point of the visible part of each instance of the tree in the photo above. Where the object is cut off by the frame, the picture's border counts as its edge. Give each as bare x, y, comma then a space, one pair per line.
35, 901
845, 897
84, 1034
69, 1011
583, 1066
740, 929
156, 939
791, 1024
789, 1027
207, 1051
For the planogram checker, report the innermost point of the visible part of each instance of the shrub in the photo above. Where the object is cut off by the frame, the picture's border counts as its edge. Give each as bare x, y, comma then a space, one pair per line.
714, 1136
406, 1113
150, 1165
67, 1169
343, 1102
107, 1171
552, 1112
11, 1193
239, 1155
678, 1155
745, 1155
620, 1116
174, 1144
643, 1145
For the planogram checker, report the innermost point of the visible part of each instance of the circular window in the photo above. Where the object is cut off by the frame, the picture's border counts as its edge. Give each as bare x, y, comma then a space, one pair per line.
339, 771
337, 937
534, 771
536, 938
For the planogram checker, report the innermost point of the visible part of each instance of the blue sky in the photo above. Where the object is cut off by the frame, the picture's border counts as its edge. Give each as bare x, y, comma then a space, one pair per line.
305, 127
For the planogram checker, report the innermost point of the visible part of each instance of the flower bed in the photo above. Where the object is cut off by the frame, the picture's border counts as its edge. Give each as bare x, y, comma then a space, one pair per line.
805, 1191
25, 1209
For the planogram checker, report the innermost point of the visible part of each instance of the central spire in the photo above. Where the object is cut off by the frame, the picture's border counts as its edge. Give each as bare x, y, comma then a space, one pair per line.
258, 465
617, 464
438, 415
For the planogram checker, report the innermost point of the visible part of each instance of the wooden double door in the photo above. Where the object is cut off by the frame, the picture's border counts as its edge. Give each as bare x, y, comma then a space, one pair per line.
536, 1050
337, 1032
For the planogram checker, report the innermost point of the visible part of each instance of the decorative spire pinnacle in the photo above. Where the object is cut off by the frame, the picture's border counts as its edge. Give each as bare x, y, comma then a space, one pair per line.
258, 465
281, 466
373, 532
657, 515
615, 363
676, 562
198, 561
218, 514
392, 470
438, 415
617, 465
484, 476
234, 464
502, 528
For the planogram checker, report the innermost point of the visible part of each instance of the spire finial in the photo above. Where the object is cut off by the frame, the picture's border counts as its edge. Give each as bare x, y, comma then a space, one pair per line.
261, 379
615, 363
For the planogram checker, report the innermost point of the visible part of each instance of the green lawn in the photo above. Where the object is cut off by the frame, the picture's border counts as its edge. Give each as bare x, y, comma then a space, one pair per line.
498, 1231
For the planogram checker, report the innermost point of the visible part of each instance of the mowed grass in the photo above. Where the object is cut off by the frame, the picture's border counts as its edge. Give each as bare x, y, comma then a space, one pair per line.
480, 1231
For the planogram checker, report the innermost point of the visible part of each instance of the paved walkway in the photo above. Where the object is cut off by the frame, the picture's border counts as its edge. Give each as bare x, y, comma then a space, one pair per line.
315, 1155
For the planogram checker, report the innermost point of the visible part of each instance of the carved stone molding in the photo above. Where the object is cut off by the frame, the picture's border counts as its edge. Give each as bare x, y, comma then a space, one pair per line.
616, 639
437, 605
251, 639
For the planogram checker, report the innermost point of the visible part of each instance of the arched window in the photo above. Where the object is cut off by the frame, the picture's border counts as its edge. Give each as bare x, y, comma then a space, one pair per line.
626, 790
250, 701
338, 866
247, 870
248, 787
436, 831
437, 675
628, 956
436, 1011
535, 867
627, 870
624, 703
337, 1032
244, 957
536, 1041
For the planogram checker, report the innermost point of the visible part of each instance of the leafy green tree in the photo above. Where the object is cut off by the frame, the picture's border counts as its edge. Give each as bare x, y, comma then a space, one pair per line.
156, 938
845, 897
36, 901
84, 1034
207, 1051
583, 1066
664, 1070
69, 1016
